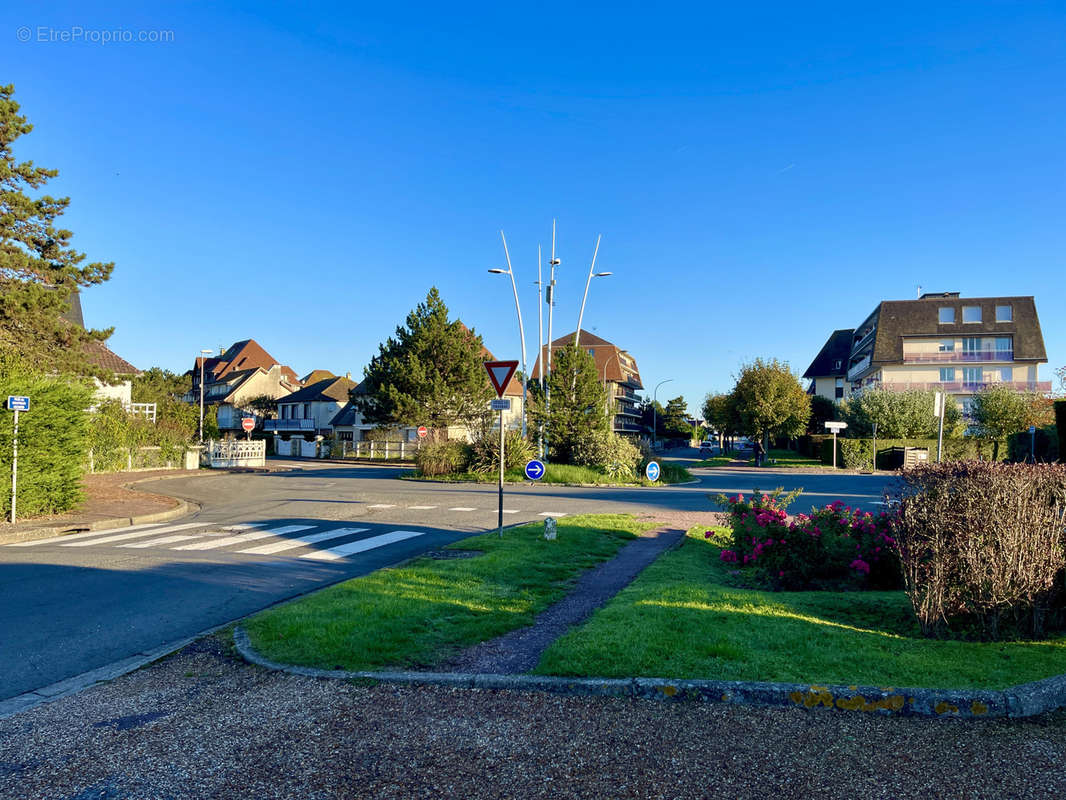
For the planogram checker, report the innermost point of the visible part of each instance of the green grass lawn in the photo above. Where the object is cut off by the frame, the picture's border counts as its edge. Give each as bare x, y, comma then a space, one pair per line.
788, 459
417, 614
714, 461
567, 474
681, 619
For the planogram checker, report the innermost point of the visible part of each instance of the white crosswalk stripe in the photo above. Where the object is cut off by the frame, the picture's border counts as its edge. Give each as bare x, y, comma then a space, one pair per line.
462, 508
213, 544
302, 541
382, 505
181, 537
421, 508
72, 536
119, 537
552, 514
511, 511
337, 553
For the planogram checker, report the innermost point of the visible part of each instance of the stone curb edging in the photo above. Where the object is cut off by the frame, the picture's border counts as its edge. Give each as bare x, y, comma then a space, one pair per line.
1026, 700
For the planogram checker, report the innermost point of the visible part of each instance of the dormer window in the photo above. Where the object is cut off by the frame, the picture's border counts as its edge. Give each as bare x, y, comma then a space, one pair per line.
837, 365
971, 314
946, 316
1004, 314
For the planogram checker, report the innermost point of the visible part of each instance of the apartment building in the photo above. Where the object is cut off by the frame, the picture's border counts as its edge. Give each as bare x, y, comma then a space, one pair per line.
828, 373
945, 341
618, 372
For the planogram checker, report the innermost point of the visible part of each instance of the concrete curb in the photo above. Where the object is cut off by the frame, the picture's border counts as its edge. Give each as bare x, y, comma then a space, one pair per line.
1026, 700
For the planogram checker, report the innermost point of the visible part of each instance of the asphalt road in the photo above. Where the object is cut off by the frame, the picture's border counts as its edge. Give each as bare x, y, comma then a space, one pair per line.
72, 605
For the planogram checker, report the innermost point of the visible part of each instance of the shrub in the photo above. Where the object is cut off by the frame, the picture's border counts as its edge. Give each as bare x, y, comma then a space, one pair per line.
443, 458
983, 547
485, 452
832, 547
615, 454
856, 453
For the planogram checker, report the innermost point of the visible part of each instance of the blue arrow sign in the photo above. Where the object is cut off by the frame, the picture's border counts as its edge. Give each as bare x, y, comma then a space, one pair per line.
535, 470
16, 403
652, 470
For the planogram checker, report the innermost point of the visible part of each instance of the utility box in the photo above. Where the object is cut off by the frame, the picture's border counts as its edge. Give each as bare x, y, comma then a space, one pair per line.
907, 457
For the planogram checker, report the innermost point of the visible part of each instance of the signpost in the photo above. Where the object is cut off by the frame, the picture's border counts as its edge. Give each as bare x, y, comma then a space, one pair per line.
1032, 442
835, 427
938, 411
15, 403
875, 446
248, 423
652, 471
535, 470
500, 373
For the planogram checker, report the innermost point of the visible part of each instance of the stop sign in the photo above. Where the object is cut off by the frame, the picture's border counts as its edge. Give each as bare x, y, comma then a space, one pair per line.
248, 423
422, 432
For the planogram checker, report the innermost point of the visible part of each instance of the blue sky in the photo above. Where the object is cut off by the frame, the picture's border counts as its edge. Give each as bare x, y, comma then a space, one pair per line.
760, 176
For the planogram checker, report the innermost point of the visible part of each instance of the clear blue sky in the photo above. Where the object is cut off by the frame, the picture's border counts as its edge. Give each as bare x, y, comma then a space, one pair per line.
760, 176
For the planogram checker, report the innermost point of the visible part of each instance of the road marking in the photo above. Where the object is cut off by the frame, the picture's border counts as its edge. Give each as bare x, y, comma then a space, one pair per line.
300, 541
552, 514
85, 535
510, 511
462, 508
421, 508
382, 505
212, 544
336, 553
122, 536
181, 537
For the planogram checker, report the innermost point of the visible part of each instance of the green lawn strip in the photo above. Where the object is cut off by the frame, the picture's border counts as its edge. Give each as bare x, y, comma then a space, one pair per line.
566, 474
789, 459
681, 619
715, 461
417, 614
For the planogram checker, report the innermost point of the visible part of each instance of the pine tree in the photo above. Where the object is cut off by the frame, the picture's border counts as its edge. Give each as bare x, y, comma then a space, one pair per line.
579, 409
431, 373
39, 270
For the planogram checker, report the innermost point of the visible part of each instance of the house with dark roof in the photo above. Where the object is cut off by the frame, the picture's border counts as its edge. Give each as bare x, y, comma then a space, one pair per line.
617, 370
828, 373
305, 417
955, 344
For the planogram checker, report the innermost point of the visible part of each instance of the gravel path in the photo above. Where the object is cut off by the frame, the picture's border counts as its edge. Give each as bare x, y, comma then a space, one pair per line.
520, 650
203, 725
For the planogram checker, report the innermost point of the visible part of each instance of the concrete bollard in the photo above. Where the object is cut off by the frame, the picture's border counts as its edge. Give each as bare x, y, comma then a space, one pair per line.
550, 529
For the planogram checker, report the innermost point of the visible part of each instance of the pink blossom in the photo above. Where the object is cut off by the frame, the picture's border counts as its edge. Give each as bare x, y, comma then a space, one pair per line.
861, 566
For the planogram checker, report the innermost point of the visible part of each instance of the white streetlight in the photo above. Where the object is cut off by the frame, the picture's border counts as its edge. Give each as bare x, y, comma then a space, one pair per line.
654, 426
550, 300
521, 328
592, 274
203, 358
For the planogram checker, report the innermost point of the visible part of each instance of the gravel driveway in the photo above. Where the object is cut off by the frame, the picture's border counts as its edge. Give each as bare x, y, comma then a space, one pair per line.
204, 725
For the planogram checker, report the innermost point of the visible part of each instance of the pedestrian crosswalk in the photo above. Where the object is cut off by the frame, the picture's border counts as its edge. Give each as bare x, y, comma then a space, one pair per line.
320, 541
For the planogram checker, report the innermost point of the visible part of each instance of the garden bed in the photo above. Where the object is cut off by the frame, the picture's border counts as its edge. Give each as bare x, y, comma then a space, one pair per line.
687, 617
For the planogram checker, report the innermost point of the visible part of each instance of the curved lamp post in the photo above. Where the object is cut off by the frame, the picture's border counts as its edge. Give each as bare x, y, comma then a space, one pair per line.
521, 329
654, 426
588, 280
203, 358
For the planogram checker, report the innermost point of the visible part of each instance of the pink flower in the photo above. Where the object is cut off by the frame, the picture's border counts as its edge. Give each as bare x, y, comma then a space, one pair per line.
708, 534
781, 574
861, 566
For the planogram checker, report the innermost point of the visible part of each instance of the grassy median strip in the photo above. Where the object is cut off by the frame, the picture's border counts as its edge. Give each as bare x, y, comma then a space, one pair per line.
418, 614
565, 474
681, 619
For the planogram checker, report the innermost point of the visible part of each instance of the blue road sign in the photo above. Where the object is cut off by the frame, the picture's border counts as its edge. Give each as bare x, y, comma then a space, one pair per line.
535, 470
652, 470
16, 403
1032, 429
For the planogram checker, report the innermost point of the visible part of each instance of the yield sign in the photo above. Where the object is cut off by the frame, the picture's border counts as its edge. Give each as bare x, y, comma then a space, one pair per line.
500, 373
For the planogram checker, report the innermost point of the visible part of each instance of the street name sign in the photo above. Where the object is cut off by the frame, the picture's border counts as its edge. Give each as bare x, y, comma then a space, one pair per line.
423, 432
535, 470
501, 405
835, 426
500, 373
652, 470
17, 403
248, 423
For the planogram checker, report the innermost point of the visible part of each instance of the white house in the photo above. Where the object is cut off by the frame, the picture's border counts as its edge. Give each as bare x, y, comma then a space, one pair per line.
306, 417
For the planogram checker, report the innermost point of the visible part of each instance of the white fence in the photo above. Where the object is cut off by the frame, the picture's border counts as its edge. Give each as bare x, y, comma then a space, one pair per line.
379, 451
134, 459
237, 453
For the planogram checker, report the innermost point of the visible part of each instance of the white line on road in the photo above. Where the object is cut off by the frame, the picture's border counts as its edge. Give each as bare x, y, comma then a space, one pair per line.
382, 505
510, 511
212, 544
181, 537
552, 514
462, 508
336, 553
121, 536
421, 508
300, 541
85, 535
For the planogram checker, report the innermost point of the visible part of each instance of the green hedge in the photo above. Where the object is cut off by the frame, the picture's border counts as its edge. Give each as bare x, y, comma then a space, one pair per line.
855, 453
53, 440
1020, 445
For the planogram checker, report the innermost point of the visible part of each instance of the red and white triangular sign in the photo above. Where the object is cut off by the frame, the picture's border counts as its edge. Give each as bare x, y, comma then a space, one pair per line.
500, 373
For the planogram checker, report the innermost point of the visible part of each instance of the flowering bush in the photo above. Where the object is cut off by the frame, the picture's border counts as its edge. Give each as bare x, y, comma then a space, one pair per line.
832, 547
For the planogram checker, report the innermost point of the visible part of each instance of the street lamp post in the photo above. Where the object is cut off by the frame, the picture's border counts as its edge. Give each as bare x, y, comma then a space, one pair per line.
607, 397
654, 425
550, 300
521, 329
203, 358
588, 280
540, 347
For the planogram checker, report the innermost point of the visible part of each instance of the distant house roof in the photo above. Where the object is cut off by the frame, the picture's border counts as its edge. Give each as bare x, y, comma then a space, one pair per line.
316, 375
612, 362
832, 359
245, 354
335, 389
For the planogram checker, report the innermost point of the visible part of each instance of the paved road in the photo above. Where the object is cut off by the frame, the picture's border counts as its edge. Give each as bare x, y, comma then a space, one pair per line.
77, 603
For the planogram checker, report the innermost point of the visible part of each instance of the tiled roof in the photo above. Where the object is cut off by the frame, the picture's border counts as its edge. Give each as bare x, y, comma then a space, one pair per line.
612, 363
101, 356
336, 389
836, 348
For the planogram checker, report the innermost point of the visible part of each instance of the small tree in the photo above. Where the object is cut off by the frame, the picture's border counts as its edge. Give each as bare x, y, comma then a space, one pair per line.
770, 400
431, 373
720, 412
899, 415
675, 419
998, 412
579, 404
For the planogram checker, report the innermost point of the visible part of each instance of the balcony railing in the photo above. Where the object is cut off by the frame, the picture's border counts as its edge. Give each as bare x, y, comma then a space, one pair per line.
289, 425
958, 356
858, 369
968, 386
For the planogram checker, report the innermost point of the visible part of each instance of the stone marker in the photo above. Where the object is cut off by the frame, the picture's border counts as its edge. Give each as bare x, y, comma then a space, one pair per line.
550, 528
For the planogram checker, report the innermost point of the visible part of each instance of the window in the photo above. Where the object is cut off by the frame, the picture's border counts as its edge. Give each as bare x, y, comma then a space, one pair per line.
972, 375
307, 411
839, 389
836, 364
1004, 314
971, 314
947, 316
1006, 374
971, 344
1004, 344
947, 374
285, 411
946, 346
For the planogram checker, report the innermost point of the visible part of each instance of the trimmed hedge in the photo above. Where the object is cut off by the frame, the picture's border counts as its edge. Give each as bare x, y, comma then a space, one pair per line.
856, 453
53, 440
1019, 445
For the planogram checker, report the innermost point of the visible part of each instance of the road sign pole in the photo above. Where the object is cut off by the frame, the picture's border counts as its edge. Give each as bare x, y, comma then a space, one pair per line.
14, 465
940, 431
834, 448
499, 529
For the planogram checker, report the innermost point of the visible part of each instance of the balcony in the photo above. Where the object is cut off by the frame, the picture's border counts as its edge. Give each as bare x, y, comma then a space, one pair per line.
859, 368
280, 425
626, 427
963, 387
958, 356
